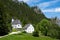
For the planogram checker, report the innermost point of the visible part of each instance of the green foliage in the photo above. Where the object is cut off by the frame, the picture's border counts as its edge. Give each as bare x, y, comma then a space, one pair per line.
18, 10
4, 21
24, 32
36, 33
54, 31
48, 28
25, 37
44, 26
14, 30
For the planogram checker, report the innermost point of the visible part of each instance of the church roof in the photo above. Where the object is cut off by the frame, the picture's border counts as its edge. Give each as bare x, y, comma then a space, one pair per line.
26, 26
16, 22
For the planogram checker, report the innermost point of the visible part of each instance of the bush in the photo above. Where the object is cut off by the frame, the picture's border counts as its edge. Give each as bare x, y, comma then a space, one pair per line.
44, 26
3, 31
54, 32
36, 34
23, 31
48, 28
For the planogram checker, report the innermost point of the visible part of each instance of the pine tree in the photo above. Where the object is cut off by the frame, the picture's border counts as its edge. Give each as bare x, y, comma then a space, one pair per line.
4, 23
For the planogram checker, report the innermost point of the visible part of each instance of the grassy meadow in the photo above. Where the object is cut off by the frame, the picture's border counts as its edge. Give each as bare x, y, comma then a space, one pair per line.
25, 37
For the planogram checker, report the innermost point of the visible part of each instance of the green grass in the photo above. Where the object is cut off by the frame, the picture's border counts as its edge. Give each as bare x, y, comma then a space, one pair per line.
25, 37
14, 30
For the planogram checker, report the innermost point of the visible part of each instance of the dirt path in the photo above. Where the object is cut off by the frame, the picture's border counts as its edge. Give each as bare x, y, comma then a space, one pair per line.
11, 34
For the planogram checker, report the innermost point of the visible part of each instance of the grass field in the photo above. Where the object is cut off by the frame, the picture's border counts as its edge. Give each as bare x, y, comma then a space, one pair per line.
25, 37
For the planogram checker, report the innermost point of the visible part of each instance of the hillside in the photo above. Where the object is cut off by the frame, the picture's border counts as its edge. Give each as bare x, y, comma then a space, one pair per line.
19, 10
26, 37
22, 11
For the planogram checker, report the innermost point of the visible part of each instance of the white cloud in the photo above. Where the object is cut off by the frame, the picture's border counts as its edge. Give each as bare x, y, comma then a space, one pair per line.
47, 4
30, 1
52, 10
35, 1
24, 0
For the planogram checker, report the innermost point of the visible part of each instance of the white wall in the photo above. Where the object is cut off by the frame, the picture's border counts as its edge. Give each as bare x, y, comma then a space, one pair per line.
17, 26
12, 20
30, 29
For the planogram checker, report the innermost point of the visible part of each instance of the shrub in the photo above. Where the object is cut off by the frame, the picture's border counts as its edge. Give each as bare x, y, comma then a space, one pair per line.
44, 26
36, 34
48, 28
24, 32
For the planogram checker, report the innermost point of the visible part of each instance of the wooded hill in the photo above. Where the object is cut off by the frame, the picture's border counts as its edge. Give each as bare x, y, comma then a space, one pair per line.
20, 10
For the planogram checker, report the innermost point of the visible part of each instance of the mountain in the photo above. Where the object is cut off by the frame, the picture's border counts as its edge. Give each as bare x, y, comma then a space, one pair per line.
56, 21
20, 10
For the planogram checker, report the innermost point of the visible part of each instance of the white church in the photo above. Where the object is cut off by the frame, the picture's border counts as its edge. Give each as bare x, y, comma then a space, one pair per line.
18, 25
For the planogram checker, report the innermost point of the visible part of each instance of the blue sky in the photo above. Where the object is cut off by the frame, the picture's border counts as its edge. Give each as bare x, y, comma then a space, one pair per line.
51, 8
